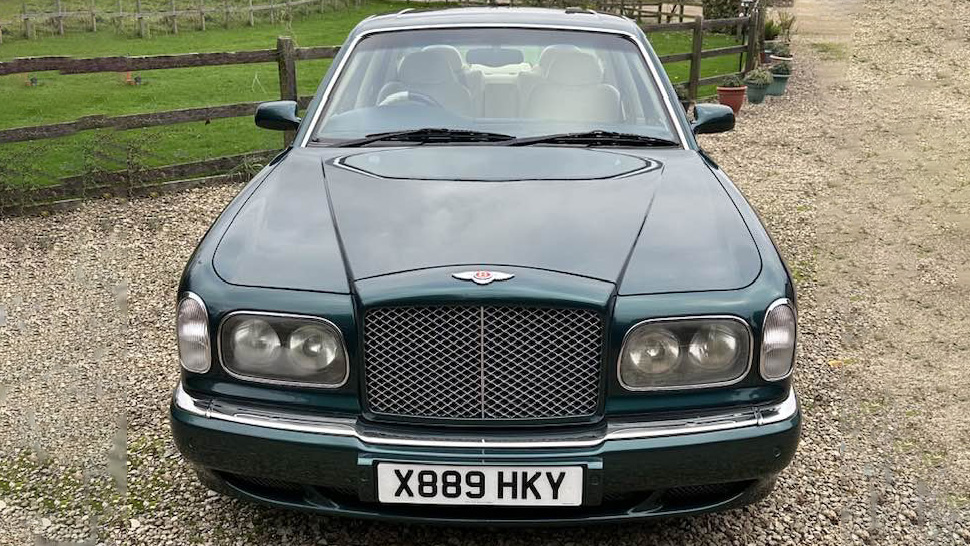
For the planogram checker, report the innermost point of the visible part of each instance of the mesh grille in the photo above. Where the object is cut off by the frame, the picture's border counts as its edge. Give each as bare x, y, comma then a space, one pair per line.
482, 362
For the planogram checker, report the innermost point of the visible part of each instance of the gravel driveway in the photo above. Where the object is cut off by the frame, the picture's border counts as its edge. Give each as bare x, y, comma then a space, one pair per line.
870, 206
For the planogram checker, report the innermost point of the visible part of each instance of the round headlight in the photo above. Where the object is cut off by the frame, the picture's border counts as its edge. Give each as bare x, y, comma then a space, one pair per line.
654, 352
313, 349
255, 343
714, 347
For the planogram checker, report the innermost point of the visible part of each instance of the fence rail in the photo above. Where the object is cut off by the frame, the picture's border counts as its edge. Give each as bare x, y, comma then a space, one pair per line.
286, 55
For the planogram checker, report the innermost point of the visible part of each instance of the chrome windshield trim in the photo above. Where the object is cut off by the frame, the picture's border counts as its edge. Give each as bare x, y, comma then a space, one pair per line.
338, 70
753, 416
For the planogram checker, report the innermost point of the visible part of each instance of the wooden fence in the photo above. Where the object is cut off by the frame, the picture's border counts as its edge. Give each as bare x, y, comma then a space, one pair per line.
286, 56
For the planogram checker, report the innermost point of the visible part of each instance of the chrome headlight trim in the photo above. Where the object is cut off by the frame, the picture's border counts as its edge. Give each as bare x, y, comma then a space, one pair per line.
626, 338
794, 355
283, 382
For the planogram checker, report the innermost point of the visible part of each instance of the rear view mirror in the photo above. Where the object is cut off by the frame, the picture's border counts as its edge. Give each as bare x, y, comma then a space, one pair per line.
712, 118
278, 115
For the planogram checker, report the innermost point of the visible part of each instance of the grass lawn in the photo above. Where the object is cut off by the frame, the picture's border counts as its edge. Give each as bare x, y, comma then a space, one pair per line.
64, 98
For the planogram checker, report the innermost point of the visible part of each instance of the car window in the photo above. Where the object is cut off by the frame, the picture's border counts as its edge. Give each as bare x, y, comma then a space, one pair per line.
521, 82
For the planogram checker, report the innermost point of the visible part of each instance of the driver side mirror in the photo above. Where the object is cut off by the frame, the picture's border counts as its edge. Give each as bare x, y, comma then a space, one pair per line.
712, 118
279, 115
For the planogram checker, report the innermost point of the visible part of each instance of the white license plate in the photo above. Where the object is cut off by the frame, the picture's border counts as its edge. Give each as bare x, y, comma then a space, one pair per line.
490, 485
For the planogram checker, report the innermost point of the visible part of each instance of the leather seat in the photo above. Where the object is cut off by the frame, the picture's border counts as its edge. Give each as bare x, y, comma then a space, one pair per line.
573, 90
430, 72
527, 81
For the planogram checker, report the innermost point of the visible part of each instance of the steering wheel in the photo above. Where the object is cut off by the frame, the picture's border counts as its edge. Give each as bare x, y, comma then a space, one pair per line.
412, 96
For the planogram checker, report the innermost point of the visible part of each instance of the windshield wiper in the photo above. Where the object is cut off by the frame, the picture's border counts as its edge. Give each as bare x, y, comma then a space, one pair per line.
426, 135
594, 138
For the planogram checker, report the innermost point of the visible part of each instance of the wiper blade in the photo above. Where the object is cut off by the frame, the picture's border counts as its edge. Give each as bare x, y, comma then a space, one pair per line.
594, 138
427, 134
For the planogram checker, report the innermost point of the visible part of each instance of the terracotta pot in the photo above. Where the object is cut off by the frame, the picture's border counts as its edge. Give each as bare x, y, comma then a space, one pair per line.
731, 96
756, 94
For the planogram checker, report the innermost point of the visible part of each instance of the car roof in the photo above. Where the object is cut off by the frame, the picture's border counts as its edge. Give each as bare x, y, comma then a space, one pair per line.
569, 17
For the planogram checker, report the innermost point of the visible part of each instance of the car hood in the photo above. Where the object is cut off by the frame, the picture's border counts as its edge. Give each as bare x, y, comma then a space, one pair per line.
657, 222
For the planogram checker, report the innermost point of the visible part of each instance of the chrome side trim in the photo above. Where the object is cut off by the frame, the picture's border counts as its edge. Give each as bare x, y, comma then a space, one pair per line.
754, 416
629, 35
626, 337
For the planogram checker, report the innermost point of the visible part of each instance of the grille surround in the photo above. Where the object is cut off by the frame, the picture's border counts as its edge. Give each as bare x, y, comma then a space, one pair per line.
483, 363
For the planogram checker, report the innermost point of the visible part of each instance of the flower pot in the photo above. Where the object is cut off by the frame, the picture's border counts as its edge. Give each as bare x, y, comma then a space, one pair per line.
756, 94
731, 96
777, 59
778, 85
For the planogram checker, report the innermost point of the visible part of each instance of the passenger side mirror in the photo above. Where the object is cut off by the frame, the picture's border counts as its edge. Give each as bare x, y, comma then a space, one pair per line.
279, 115
712, 118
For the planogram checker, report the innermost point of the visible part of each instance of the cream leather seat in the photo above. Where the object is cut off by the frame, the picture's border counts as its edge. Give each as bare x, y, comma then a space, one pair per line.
430, 72
527, 81
573, 90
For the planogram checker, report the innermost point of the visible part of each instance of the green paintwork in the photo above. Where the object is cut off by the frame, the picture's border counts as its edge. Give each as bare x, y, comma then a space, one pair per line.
278, 115
712, 118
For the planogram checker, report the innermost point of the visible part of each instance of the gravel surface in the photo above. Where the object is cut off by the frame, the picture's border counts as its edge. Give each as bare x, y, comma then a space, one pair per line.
869, 205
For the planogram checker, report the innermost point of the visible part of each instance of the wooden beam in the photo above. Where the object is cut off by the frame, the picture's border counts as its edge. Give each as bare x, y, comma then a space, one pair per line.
70, 65
677, 57
720, 23
286, 62
722, 51
697, 47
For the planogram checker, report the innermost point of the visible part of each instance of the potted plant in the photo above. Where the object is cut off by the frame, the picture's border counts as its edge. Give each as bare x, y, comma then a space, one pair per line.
757, 81
781, 53
780, 73
731, 93
771, 32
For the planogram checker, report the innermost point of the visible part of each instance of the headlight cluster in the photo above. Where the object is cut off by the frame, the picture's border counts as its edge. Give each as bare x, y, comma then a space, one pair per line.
192, 327
281, 348
681, 353
778, 341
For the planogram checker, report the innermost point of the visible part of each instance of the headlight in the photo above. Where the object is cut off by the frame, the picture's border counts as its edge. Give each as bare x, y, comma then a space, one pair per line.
778, 341
685, 353
192, 326
276, 348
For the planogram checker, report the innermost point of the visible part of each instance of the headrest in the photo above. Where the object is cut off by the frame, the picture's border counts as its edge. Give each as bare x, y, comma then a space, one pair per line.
454, 56
426, 66
575, 68
550, 53
494, 56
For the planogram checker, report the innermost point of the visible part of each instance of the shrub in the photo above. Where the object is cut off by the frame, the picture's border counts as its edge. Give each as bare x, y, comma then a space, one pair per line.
783, 68
781, 50
721, 9
786, 24
772, 30
732, 81
759, 77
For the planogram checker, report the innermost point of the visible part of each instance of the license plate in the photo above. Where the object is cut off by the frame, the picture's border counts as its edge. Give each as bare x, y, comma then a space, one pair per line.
490, 485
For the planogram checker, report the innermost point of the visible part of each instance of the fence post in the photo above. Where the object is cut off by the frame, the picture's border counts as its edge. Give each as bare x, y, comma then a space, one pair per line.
697, 43
286, 60
60, 19
94, 17
175, 17
28, 24
202, 13
1, 34
752, 54
252, 17
225, 8
142, 30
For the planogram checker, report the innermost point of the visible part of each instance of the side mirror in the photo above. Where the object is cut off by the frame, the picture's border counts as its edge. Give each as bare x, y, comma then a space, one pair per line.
279, 115
712, 118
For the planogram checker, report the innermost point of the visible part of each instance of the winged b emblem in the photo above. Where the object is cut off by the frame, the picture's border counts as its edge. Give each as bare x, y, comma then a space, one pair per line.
482, 277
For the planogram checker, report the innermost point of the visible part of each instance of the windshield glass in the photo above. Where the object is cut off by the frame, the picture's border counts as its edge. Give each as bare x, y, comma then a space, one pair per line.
518, 82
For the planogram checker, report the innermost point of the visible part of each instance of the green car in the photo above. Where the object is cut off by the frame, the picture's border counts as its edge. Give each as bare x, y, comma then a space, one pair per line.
493, 281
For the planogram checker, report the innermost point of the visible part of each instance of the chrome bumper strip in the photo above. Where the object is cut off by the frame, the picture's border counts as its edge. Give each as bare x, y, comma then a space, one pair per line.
335, 426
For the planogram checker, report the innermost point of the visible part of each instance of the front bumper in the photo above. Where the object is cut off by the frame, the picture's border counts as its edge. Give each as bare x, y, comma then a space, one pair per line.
633, 470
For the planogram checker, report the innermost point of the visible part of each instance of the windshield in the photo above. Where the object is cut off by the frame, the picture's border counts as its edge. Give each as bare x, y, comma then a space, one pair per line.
517, 82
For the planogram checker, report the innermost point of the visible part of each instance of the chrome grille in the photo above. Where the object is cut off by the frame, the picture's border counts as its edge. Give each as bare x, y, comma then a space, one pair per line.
492, 363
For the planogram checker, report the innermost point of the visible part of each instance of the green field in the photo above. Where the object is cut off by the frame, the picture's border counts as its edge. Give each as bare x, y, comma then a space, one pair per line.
64, 98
